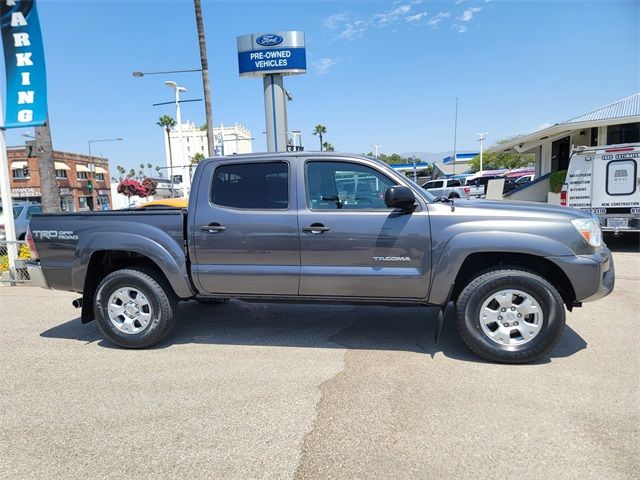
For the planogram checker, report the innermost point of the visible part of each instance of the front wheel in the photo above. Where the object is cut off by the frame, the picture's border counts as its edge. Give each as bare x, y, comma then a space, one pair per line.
135, 307
510, 316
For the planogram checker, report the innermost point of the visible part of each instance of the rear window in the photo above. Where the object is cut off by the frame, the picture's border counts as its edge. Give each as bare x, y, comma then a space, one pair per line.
453, 183
260, 186
621, 177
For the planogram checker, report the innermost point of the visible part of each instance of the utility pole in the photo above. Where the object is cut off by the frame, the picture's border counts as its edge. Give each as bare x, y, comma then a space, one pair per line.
376, 146
455, 138
205, 77
482, 136
50, 195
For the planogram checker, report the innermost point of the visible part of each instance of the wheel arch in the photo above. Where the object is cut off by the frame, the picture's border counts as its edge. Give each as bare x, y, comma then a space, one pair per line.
478, 263
103, 262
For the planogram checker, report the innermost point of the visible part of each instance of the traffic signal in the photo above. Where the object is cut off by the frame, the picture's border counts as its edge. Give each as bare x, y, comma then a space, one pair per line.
90, 186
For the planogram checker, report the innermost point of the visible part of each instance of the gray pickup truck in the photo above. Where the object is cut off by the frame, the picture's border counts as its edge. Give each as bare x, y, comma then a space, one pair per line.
287, 227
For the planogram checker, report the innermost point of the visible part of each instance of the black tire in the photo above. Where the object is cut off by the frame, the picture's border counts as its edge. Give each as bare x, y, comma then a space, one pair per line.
482, 287
163, 302
211, 301
454, 195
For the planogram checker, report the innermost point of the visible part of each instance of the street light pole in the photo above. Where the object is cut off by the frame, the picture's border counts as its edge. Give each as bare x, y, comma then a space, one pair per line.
482, 136
92, 167
186, 181
376, 146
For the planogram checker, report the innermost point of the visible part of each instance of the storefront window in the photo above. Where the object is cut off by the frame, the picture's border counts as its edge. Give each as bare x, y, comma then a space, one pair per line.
61, 174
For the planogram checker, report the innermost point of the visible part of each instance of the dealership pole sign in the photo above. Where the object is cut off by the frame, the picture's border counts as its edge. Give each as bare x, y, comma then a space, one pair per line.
271, 56
24, 64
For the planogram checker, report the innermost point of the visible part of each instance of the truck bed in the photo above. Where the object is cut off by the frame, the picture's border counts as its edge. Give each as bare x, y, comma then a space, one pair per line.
66, 241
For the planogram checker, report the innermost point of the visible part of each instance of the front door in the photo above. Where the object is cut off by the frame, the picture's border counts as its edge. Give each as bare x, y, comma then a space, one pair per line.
351, 243
245, 229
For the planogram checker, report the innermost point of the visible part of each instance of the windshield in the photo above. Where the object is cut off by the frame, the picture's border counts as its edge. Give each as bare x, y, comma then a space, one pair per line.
16, 211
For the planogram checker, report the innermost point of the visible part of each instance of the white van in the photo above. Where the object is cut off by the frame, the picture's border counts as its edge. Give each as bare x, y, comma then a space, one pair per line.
605, 180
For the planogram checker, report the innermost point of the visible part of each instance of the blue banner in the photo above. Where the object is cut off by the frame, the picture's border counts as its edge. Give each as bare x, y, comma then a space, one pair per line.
274, 60
24, 64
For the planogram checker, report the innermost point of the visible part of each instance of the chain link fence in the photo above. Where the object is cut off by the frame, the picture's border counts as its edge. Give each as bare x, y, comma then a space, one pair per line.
20, 251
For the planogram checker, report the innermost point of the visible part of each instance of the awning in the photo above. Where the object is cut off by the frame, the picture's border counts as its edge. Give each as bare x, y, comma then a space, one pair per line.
81, 168
101, 170
18, 165
61, 166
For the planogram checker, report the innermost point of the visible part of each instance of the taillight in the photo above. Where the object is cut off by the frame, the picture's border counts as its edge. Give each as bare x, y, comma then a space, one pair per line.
32, 245
620, 149
563, 198
467, 190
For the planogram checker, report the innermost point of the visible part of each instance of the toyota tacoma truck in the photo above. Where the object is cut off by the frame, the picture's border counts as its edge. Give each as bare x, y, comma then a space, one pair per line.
285, 227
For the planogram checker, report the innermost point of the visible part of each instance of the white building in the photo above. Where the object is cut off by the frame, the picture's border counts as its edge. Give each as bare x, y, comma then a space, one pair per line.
236, 139
617, 122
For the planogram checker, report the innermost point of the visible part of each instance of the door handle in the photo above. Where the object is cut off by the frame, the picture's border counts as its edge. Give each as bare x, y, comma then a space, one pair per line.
315, 228
213, 228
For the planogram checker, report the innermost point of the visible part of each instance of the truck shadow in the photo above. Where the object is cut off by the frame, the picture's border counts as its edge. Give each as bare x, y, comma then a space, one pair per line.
625, 242
311, 326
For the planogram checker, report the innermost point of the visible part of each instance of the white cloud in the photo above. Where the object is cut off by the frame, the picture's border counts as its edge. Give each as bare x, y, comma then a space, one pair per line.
334, 21
468, 14
392, 15
435, 20
416, 18
353, 29
460, 28
323, 65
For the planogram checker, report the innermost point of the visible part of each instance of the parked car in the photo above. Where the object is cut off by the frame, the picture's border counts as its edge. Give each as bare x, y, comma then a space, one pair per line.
523, 180
448, 188
22, 212
165, 203
482, 182
273, 228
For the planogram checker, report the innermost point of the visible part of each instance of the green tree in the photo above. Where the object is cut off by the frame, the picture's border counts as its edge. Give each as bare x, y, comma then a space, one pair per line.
502, 160
150, 166
328, 147
166, 122
321, 131
197, 158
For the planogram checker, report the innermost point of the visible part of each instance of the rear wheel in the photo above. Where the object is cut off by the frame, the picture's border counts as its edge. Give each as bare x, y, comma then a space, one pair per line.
510, 316
454, 195
135, 307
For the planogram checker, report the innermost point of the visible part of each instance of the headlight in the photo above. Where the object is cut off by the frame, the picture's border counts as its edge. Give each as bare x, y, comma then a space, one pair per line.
589, 228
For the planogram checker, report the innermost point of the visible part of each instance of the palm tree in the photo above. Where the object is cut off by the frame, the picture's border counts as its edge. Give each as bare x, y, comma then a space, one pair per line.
166, 122
328, 147
319, 130
149, 166
197, 158
121, 171
132, 173
204, 64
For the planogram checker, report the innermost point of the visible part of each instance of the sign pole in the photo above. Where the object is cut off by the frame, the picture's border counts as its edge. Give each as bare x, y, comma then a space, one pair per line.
275, 113
7, 203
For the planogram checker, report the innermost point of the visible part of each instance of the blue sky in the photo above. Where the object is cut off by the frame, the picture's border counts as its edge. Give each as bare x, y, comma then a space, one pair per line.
383, 72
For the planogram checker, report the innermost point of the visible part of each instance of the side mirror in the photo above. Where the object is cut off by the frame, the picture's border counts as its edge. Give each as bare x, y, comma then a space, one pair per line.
400, 197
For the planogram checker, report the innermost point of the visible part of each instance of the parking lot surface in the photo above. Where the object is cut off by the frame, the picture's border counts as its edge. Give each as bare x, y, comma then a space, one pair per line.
245, 390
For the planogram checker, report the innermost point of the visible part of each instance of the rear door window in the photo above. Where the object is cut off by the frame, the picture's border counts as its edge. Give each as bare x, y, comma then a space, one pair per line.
621, 177
453, 183
258, 186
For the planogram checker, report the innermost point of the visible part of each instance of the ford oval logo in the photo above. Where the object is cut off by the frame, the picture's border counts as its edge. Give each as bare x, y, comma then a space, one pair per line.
269, 40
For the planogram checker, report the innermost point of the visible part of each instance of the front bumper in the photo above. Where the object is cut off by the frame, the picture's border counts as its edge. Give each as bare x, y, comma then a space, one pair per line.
35, 275
592, 276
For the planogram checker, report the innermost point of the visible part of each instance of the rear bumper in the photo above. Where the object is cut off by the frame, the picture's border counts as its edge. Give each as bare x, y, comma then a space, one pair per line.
592, 276
35, 275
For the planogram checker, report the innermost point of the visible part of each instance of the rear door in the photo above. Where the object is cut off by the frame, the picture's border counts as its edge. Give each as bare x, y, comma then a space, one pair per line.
245, 229
358, 247
616, 186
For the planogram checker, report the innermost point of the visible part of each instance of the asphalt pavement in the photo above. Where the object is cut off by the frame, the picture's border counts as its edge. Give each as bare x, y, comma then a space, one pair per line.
245, 390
